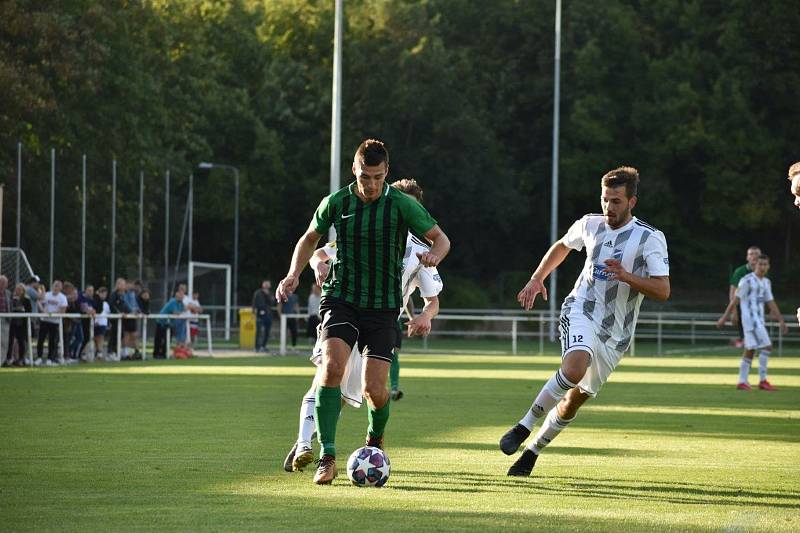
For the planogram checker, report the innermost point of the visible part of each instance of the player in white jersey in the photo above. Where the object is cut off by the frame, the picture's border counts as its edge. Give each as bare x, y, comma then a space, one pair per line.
753, 292
626, 259
415, 276
794, 188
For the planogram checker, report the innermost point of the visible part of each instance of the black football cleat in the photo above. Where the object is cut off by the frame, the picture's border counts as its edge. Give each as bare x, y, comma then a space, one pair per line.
287, 463
514, 437
524, 465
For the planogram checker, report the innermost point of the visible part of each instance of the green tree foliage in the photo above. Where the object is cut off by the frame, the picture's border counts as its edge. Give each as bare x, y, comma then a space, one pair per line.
700, 96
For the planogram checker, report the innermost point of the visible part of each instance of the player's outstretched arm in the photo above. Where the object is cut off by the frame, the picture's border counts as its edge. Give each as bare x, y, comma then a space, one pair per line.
421, 324
655, 287
302, 253
728, 310
440, 246
535, 286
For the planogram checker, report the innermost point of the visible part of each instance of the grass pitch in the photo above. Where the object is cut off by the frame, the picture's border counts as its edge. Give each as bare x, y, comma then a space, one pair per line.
669, 444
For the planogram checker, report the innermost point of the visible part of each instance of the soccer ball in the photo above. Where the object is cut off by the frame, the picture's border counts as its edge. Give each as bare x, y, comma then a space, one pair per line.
368, 467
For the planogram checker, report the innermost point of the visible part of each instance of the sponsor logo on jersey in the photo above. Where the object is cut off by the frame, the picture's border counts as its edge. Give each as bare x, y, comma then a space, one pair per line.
600, 273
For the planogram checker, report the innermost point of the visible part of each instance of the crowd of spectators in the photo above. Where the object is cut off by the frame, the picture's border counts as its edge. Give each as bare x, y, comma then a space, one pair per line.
94, 335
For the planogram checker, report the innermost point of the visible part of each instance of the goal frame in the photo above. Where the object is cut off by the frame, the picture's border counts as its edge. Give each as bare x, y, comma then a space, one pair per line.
215, 266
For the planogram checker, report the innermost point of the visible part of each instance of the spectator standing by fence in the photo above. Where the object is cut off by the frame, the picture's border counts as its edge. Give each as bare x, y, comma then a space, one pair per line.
313, 312
117, 303
173, 307
5, 307
102, 310
263, 302
53, 301
18, 328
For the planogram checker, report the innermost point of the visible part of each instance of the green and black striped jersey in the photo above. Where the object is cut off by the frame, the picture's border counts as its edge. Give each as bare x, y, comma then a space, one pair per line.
370, 242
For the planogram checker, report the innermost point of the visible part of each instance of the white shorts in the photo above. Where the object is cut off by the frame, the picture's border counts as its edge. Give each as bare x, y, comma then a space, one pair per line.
579, 333
351, 380
755, 336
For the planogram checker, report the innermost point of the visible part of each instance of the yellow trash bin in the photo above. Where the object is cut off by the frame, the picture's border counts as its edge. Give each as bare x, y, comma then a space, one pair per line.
247, 329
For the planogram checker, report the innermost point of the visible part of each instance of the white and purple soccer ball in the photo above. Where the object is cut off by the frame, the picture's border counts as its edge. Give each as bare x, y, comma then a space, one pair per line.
368, 467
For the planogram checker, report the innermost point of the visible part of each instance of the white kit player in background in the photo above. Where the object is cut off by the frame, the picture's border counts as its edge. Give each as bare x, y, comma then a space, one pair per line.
626, 260
753, 292
426, 279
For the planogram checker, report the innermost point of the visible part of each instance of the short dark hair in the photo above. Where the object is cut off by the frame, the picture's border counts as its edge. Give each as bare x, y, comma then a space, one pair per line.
763, 257
372, 153
627, 176
409, 186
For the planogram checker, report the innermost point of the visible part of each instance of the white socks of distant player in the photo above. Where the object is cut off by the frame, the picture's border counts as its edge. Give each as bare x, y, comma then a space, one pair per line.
744, 369
552, 392
552, 426
307, 426
763, 357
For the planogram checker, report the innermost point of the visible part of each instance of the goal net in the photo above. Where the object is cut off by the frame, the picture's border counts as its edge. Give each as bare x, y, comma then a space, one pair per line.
15, 266
213, 282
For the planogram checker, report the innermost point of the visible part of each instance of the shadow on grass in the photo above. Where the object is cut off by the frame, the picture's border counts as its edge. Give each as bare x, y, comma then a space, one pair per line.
607, 488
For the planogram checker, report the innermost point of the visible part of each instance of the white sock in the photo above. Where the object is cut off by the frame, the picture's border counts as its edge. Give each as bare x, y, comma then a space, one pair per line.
552, 392
744, 369
552, 426
763, 357
307, 426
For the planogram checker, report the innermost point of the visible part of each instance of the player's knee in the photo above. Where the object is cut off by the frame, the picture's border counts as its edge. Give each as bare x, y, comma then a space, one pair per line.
375, 394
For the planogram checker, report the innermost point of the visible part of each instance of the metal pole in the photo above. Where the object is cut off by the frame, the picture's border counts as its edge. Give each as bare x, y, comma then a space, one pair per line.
141, 220
166, 239
554, 196
191, 217
236, 244
113, 221
19, 203
336, 100
83, 226
52, 208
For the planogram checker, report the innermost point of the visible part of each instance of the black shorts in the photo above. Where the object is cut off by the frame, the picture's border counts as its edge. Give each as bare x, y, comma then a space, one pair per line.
129, 325
400, 328
375, 330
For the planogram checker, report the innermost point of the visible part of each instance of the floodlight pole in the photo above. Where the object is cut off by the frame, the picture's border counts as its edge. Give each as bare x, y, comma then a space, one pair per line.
166, 238
208, 166
52, 209
83, 225
113, 222
19, 203
554, 197
141, 222
336, 101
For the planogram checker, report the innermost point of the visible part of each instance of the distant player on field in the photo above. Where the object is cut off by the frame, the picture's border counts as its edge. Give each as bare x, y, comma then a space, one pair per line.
626, 259
429, 283
754, 291
362, 294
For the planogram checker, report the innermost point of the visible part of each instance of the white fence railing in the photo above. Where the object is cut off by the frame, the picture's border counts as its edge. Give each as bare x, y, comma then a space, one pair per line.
657, 326
115, 316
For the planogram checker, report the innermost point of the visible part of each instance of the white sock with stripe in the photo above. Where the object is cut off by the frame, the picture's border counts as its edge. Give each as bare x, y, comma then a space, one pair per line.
307, 426
552, 392
763, 358
552, 426
744, 369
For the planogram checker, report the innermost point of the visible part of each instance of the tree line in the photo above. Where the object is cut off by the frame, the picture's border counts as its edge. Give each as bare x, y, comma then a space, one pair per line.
700, 96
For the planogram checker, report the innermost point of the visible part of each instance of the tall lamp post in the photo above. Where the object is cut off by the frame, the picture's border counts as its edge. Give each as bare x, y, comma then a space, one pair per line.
208, 166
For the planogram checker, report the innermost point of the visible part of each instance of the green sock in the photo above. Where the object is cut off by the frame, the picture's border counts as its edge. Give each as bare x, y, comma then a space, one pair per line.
326, 415
394, 371
378, 418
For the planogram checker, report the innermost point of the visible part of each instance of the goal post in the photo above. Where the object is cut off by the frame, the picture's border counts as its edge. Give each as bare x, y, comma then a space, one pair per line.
15, 266
198, 269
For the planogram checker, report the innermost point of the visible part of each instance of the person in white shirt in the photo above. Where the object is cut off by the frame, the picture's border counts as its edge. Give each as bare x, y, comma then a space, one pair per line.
626, 260
53, 301
753, 292
193, 308
313, 320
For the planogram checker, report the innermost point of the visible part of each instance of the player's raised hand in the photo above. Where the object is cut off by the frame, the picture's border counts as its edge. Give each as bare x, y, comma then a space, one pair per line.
286, 287
614, 269
527, 296
420, 325
321, 272
721, 321
428, 259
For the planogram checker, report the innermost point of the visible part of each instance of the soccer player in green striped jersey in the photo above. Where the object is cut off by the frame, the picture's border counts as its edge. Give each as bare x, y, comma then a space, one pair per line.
361, 296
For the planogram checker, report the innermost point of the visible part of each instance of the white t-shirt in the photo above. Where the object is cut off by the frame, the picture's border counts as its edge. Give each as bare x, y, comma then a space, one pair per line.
53, 303
187, 301
613, 306
313, 304
102, 318
753, 292
416, 276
